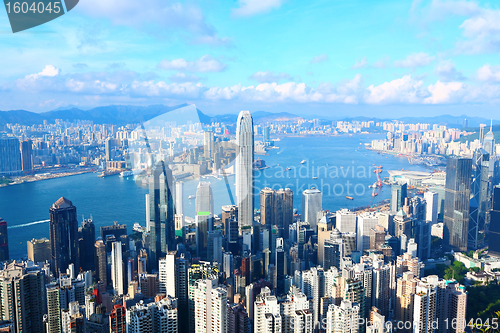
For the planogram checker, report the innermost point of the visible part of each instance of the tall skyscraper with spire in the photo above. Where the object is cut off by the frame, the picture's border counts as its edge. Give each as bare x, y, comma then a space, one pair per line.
244, 169
489, 141
161, 212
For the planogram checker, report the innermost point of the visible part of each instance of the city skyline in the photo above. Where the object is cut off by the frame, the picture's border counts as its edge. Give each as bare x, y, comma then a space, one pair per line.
435, 56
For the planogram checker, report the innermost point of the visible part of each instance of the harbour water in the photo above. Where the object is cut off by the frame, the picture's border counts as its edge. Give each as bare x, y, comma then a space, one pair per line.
338, 166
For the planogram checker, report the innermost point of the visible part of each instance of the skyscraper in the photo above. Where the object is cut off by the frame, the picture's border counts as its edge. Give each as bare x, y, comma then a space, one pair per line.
432, 205
117, 319
4, 241
166, 276
244, 169
398, 195
107, 148
267, 206
209, 148
343, 318
312, 204
479, 198
494, 240
161, 212
87, 244
100, 262
22, 298
283, 210
276, 208
26, 147
10, 156
179, 198
457, 203
204, 216
346, 221
489, 141
63, 236
117, 268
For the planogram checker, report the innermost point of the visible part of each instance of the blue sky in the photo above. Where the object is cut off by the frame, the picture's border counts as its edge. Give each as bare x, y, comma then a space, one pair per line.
335, 58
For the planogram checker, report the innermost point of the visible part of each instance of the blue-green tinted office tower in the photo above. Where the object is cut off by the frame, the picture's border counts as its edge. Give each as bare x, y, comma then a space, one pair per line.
87, 245
398, 195
161, 213
457, 203
494, 235
479, 198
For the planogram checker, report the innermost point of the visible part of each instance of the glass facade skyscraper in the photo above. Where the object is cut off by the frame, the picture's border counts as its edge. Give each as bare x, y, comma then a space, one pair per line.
63, 236
244, 169
457, 203
161, 212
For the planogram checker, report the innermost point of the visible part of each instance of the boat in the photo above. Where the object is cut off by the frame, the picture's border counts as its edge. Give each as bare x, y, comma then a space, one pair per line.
126, 173
303, 161
374, 194
192, 197
315, 177
287, 169
350, 198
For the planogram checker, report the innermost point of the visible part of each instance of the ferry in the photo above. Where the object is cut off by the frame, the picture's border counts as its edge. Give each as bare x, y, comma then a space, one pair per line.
192, 197
126, 173
287, 169
315, 177
350, 198
303, 161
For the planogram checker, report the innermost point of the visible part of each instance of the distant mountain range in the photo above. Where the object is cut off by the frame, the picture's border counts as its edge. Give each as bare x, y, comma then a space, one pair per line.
128, 114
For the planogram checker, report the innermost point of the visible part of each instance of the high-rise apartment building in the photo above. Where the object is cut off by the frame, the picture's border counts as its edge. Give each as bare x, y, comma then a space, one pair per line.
117, 319
343, 318
100, 262
22, 298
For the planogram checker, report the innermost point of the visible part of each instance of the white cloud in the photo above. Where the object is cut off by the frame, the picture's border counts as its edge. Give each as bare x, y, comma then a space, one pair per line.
253, 7
156, 17
182, 77
415, 60
447, 71
319, 58
489, 73
270, 76
444, 92
360, 63
49, 70
205, 64
403, 90
129, 87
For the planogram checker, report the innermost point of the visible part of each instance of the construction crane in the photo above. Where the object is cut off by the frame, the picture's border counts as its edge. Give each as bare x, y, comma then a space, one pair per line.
378, 170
